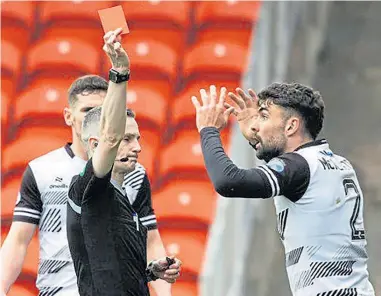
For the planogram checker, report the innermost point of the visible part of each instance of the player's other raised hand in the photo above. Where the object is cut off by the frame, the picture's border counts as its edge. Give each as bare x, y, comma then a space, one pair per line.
114, 50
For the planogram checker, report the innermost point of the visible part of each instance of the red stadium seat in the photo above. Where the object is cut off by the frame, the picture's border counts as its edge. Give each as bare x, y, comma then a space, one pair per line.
216, 57
10, 59
186, 245
8, 86
184, 153
149, 141
21, 12
183, 109
175, 12
148, 102
33, 142
227, 12
66, 54
217, 35
188, 200
149, 58
44, 98
20, 290
9, 193
16, 35
182, 288
52, 11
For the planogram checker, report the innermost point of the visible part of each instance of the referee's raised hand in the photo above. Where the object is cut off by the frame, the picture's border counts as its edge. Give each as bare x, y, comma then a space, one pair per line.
113, 48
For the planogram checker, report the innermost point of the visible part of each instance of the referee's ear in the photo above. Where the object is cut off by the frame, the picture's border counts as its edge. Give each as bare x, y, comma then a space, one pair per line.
93, 144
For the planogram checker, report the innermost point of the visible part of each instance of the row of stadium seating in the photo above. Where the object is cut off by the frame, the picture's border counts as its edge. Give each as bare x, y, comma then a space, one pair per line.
175, 48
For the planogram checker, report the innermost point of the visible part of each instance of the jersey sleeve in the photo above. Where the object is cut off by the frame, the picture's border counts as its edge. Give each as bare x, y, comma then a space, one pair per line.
143, 205
86, 185
29, 204
287, 175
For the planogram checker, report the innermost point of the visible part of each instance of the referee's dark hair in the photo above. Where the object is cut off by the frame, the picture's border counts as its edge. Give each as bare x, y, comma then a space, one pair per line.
300, 99
85, 85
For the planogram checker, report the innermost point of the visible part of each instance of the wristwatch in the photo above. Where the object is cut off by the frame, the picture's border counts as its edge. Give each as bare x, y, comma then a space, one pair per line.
116, 77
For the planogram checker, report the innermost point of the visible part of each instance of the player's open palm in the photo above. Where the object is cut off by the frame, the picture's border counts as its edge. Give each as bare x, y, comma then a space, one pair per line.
246, 111
113, 48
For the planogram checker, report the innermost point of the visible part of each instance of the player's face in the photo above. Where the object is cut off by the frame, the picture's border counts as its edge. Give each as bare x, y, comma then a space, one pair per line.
75, 115
128, 148
271, 140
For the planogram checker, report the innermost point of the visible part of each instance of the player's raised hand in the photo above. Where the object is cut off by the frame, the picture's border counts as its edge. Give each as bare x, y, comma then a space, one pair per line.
246, 111
113, 48
211, 113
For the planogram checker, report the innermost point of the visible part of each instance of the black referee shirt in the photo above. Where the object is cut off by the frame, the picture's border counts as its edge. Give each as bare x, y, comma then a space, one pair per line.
106, 239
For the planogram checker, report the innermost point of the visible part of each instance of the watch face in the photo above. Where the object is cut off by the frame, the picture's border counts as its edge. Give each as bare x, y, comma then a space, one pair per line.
112, 76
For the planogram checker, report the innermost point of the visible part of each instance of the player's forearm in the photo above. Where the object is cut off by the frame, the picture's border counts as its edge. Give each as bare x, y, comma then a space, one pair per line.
227, 178
113, 118
12, 256
155, 250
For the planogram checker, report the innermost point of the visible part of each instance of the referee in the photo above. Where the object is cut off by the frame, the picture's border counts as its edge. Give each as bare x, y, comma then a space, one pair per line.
106, 238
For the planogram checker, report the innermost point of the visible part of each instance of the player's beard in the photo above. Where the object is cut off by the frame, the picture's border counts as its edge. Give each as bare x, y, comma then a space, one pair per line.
271, 147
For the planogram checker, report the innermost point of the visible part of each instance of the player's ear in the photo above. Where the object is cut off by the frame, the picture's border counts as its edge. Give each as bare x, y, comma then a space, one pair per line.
292, 126
68, 116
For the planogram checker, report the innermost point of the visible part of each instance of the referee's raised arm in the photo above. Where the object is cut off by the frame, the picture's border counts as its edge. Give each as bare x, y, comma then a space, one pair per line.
113, 117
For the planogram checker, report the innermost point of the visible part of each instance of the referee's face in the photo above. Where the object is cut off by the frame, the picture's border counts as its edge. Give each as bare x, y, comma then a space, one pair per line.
128, 148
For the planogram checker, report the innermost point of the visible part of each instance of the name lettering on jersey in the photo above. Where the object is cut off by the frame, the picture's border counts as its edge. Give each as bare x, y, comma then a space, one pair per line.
63, 186
332, 164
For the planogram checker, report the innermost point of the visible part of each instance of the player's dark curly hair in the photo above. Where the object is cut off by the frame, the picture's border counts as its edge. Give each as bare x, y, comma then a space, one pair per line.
297, 98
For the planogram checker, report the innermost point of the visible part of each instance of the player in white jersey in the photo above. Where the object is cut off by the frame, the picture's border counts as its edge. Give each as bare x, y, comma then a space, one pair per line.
42, 203
317, 196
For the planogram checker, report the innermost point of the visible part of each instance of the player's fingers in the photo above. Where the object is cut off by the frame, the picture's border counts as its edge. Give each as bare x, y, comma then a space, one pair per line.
254, 97
204, 97
228, 112
228, 106
196, 103
246, 98
213, 95
236, 99
222, 97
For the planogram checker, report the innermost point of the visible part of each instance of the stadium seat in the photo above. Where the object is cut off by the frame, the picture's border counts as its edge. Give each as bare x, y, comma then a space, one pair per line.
217, 35
9, 191
4, 108
150, 142
19, 36
55, 11
148, 102
17, 12
32, 142
183, 109
182, 288
189, 200
43, 99
149, 58
226, 12
10, 59
21, 290
186, 245
183, 154
63, 55
220, 58
172, 12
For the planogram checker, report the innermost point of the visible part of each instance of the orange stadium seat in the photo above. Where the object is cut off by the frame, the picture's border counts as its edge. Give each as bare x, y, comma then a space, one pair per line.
149, 142
52, 11
33, 142
175, 12
227, 12
186, 245
44, 98
4, 108
8, 86
9, 191
18, 36
183, 154
189, 200
148, 102
21, 290
183, 109
149, 58
61, 55
21, 12
10, 59
220, 58
182, 288
217, 35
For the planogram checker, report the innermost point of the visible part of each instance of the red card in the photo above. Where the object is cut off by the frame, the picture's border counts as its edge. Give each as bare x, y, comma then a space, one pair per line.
113, 18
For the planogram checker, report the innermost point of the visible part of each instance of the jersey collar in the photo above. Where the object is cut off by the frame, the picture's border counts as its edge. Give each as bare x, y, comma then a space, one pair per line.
313, 143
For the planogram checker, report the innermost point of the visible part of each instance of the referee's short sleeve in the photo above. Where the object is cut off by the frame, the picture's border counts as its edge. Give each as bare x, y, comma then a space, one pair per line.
86, 185
29, 204
288, 175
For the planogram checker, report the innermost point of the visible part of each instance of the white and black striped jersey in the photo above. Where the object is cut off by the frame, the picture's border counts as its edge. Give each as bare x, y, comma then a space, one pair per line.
319, 206
42, 201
